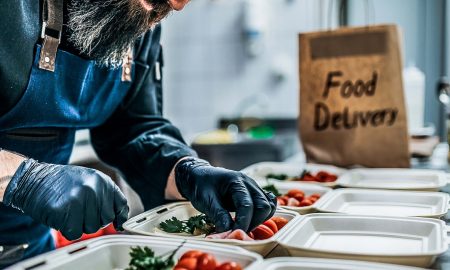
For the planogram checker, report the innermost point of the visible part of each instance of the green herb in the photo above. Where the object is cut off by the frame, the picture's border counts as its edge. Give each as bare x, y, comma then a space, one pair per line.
281, 177
145, 259
273, 189
196, 225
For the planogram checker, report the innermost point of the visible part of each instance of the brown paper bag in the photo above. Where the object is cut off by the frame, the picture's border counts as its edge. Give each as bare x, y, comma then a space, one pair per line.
352, 109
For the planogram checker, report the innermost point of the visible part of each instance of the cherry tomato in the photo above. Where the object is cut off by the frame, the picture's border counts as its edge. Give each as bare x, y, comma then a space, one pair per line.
293, 202
262, 232
180, 268
293, 192
280, 221
272, 225
312, 199
191, 254
251, 235
281, 202
299, 197
188, 263
316, 195
305, 202
206, 262
309, 178
229, 266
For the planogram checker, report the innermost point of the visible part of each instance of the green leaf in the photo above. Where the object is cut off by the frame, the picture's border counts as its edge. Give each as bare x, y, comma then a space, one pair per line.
172, 225
281, 177
273, 189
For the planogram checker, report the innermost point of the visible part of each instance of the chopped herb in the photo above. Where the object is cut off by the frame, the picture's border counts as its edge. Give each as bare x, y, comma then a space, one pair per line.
145, 259
273, 189
277, 176
196, 225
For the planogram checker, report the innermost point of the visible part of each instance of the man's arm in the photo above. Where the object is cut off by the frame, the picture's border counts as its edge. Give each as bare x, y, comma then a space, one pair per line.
9, 162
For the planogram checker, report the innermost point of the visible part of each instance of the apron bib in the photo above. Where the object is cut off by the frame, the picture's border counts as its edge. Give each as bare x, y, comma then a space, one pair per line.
78, 94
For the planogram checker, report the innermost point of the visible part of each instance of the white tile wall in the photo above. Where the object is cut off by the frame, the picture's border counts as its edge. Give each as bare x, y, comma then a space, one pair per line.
208, 73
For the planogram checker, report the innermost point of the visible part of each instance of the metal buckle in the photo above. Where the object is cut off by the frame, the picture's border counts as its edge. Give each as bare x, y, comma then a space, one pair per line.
44, 32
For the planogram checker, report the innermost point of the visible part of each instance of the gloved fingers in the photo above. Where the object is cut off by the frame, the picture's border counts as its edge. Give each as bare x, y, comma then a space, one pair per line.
120, 209
263, 206
73, 228
92, 219
243, 204
212, 207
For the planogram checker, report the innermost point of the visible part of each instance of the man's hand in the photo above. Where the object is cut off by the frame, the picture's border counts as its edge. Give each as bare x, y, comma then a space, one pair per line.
217, 191
71, 199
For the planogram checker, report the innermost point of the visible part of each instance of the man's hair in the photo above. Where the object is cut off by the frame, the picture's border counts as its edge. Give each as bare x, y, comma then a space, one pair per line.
105, 29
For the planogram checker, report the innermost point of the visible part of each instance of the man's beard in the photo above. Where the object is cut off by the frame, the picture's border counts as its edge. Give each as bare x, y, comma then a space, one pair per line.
105, 29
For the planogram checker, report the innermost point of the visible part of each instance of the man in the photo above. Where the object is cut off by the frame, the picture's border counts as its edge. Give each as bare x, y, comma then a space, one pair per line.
72, 64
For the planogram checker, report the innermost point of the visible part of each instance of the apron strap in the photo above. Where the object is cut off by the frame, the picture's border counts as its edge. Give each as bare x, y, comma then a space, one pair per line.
53, 15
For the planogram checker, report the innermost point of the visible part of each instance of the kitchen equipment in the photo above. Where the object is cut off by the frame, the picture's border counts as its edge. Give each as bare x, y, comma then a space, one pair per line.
288, 263
399, 179
309, 189
385, 203
407, 241
148, 222
259, 171
112, 252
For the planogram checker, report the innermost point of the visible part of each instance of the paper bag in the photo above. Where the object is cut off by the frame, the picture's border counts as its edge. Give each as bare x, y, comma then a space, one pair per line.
352, 108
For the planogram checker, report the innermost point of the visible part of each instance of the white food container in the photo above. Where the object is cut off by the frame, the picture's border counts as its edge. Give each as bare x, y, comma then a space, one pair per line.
288, 263
148, 222
112, 252
397, 179
407, 241
385, 203
309, 189
259, 171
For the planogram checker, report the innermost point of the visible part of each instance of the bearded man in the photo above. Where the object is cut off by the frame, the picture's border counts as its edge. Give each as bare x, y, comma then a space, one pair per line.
96, 64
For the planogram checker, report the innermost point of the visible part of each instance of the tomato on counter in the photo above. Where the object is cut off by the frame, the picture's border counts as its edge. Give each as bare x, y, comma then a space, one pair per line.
198, 260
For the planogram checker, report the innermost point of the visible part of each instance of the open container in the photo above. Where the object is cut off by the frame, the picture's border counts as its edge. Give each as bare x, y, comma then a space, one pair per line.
112, 252
385, 203
288, 263
396, 179
309, 189
148, 222
260, 171
407, 241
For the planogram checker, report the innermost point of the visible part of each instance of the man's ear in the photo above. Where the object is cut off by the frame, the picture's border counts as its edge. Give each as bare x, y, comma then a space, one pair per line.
178, 4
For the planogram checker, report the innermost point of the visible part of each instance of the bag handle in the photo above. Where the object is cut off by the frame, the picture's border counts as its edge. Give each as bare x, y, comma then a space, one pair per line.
369, 12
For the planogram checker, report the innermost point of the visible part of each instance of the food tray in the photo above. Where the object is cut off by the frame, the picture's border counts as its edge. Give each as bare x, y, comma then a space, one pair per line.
385, 203
397, 179
407, 241
288, 263
259, 171
147, 223
284, 187
112, 252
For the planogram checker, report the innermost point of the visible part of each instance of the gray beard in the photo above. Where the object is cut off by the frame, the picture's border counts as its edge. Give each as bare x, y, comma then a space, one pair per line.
104, 30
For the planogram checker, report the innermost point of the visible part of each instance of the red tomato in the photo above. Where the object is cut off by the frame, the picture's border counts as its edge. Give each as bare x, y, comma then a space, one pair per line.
293, 202
251, 235
188, 263
280, 221
191, 254
206, 262
281, 202
272, 225
229, 266
180, 268
262, 232
331, 178
312, 199
305, 202
293, 192
309, 178
316, 195
299, 197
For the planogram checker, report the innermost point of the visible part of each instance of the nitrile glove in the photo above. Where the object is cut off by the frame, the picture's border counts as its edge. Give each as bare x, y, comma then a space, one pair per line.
217, 192
71, 199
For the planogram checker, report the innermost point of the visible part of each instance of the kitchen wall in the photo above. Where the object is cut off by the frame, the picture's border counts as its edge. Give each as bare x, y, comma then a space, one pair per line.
209, 72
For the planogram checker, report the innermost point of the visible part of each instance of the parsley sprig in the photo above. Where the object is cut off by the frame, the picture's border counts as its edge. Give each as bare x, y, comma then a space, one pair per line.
145, 259
196, 225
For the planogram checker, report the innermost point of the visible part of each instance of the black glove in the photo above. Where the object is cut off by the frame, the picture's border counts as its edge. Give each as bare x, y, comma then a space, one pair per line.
217, 191
71, 199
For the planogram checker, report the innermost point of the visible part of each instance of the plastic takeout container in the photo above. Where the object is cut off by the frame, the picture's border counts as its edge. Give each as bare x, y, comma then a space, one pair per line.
259, 171
385, 203
112, 252
288, 263
407, 241
148, 222
309, 189
397, 179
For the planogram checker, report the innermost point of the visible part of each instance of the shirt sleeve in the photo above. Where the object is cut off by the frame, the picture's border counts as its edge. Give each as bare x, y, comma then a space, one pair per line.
137, 139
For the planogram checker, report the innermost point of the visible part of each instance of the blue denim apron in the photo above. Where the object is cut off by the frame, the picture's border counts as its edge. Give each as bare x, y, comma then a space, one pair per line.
42, 125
